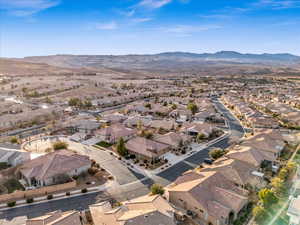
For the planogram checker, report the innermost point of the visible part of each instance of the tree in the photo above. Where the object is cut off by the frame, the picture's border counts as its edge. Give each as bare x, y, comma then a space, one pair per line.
283, 174
217, 153
148, 105
139, 124
200, 137
174, 106
121, 147
60, 145
267, 197
278, 185
192, 107
291, 167
75, 102
157, 189
14, 140
259, 213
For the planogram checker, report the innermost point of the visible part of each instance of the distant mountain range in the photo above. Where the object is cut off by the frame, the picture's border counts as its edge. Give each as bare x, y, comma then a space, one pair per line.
173, 62
164, 60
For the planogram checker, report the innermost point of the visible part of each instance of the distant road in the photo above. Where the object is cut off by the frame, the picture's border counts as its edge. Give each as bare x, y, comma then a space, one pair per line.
136, 188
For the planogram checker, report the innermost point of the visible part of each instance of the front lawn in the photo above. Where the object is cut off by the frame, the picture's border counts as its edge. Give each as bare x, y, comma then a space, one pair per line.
104, 144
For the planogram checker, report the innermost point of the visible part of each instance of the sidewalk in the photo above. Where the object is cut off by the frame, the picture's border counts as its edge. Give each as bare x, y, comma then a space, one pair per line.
42, 199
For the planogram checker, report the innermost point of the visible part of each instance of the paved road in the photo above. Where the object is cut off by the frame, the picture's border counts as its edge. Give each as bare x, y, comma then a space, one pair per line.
122, 173
136, 188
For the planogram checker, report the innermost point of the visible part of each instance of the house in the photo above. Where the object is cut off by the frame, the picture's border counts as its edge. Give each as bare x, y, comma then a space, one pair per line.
251, 155
56, 218
146, 149
265, 142
53, 167
294, 211
210, 196
146, 210
239, 172
13, 157
181, 115
113, 133
167, 125
114, 118
82, 126
175, 140
263, 122
134, 121
194, 129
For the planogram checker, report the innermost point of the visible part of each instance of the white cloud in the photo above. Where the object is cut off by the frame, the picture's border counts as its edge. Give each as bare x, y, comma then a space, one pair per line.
141, 20
107, 26
26, 7
154, 4
279, 4
188, 29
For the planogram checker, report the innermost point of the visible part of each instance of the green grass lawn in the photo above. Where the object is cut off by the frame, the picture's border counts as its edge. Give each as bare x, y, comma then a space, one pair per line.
13, 185
104, 144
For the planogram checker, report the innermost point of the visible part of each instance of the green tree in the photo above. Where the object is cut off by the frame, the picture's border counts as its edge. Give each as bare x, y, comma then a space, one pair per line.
267, 197
200, 137
174, 106
121, 147
148, 105
157, 189
75, 102
60, 145
217, 153
283, 173
291, 167
192, 107
278, 185
259, 213
14, 140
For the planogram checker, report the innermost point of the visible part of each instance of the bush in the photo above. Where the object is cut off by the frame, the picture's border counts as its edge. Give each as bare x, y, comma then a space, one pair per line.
217, 153
29, 200
11, 204
49, 197
84, 190
68, 193
14, 140
157, 189
92, 171
60, 145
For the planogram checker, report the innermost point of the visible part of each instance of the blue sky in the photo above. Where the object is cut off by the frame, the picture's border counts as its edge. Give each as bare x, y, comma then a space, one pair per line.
44, 27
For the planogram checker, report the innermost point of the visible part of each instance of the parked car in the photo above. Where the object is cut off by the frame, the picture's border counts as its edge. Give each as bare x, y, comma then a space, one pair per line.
208, 161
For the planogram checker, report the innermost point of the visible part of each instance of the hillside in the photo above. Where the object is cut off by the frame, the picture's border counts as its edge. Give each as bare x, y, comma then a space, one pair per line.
171, 61
17, 67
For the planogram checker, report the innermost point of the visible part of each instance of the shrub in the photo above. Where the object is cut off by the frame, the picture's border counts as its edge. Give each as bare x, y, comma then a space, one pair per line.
84, 190
14, 140
68, 193
29, 200
49, 197
157, 189
60, 145
11, 204
217, 153
92, 171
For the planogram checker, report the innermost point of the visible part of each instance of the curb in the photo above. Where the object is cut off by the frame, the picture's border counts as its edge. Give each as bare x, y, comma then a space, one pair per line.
59, 196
